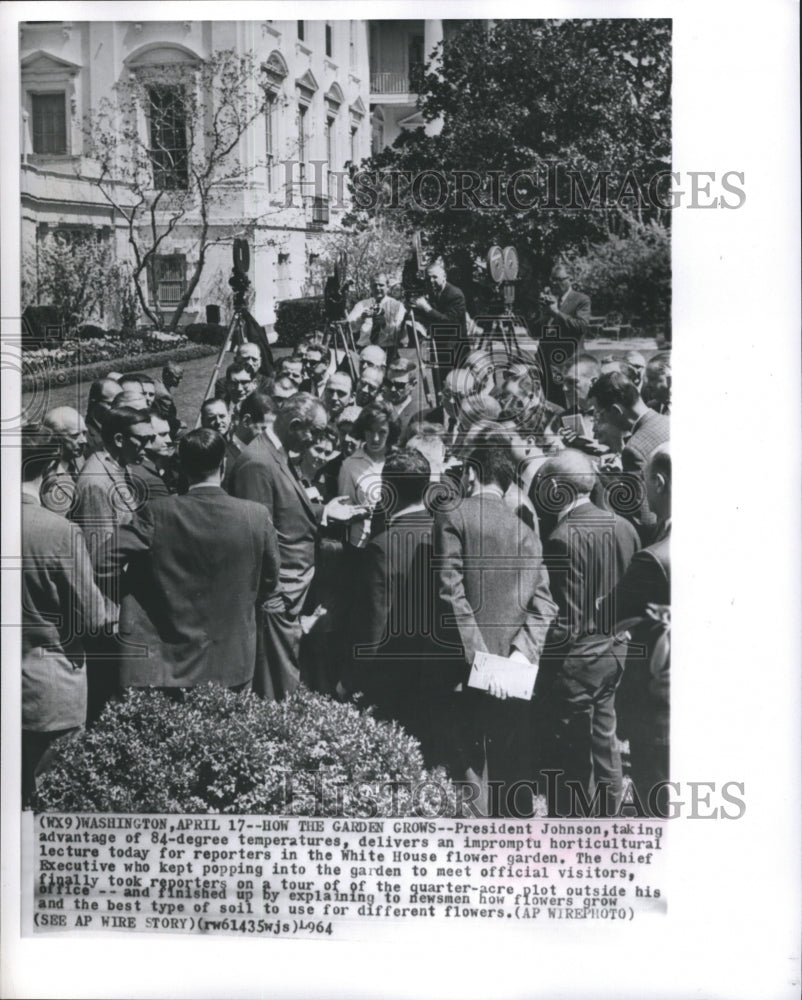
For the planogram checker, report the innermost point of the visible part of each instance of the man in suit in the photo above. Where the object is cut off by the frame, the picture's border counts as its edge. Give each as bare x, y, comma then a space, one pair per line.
564, 322
107, 497
656, 391
493, 597
149, 474
616, 401
443, 310
102, 394
264, 473
586, 553
395, 661
60, 606
380, 318
197, 568
404, 391
641, 603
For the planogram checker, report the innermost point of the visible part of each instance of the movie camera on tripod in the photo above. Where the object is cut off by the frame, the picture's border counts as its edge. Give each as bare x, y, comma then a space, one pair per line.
413, 281
243, 328
503, 267
334, 306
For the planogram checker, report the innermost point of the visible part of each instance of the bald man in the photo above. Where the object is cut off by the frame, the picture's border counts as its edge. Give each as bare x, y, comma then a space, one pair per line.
444, 311
102, 394
586, 551
58, 485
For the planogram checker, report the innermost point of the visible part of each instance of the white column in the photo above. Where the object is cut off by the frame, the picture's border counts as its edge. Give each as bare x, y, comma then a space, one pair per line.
432, 34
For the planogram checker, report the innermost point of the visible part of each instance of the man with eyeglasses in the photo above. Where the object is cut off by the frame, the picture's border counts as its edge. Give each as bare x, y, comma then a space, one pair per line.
238, 385
403, 392
380, 318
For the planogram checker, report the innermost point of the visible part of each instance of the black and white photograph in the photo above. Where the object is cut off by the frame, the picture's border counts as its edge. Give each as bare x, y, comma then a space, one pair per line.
342, 412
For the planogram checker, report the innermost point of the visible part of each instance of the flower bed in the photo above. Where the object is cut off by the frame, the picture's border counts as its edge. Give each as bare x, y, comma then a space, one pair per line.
73, 362
214, 751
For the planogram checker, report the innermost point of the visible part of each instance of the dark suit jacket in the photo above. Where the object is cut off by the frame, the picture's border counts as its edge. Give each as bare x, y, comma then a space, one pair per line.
446, 324
146, 481
493, 587
587, 552
197, 565
262, 473
651, 430
642, 699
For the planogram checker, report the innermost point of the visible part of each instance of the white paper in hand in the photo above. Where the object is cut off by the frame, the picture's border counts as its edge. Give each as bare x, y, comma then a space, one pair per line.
517, 678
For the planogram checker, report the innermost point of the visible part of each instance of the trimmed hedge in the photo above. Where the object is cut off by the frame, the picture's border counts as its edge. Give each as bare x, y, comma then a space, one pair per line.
297, 317
97, 369
210, 750
206, 333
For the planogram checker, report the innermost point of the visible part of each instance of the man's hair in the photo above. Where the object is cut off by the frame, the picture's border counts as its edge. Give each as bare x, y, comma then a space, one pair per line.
215, 399
282, 363
40, 449
660, 461
237, 366
614, 389
491, 456
378, 412
338, 375
402, 366
303, 406
257, 406
660, 362
57, 418
120, 420
201, 452
325, 353
583, 361
174, 368
405, 479
349, 415
330, 433
142, 377
96, 391
567, 476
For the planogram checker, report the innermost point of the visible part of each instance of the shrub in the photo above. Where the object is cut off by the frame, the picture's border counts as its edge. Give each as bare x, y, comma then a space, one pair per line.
89, 332
629, 274
296, 317
41, 323
43, 372
211, 750
206, 333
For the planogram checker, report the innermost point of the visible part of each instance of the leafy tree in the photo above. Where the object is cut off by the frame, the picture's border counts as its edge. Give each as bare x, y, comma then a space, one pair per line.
70, 272
567, 101
380, 245
168, 149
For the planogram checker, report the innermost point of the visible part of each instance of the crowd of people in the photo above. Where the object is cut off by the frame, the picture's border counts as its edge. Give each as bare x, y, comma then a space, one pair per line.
332, 523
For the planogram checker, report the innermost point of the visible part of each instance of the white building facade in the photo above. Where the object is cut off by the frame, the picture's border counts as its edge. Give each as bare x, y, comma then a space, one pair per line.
316, 123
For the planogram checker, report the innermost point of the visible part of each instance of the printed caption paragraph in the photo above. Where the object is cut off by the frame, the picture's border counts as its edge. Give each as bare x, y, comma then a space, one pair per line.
261, 876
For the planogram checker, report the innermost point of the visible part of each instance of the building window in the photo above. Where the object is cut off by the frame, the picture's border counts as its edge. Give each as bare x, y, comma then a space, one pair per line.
301, 31
354, 144
320, 211
328, 40
168, 138
270, 138
416, 62
49, 123
169, 273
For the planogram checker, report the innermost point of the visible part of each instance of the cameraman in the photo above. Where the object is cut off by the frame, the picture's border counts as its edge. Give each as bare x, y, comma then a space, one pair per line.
563, 322
379, 318
443, 310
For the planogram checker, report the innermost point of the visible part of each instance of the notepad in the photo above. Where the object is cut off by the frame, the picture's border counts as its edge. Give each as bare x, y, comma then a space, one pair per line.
518, 678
